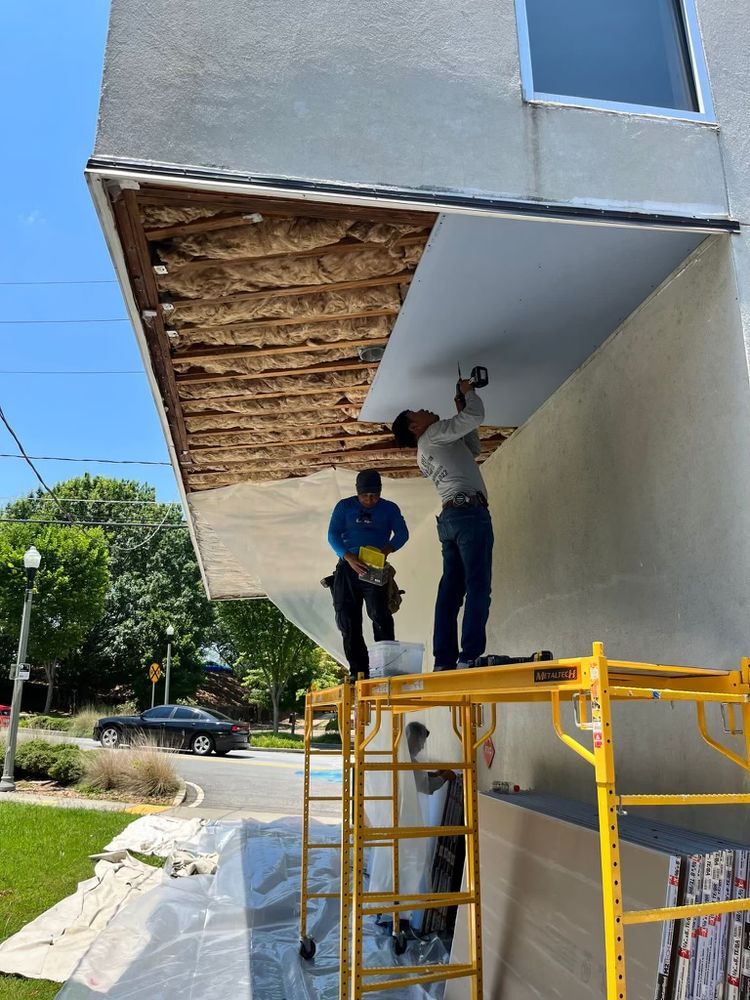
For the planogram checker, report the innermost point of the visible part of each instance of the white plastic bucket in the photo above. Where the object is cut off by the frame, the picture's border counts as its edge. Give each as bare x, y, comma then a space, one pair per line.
388, 658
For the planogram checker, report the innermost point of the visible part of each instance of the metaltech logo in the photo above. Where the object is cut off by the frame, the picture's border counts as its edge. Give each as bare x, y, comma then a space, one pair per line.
552, 675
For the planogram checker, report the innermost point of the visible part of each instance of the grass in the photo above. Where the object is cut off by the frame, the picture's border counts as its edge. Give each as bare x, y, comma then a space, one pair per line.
44, 856
289, 742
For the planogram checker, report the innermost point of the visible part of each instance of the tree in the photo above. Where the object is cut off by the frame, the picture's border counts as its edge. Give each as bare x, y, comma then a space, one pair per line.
155, 582
70, 589
275, 657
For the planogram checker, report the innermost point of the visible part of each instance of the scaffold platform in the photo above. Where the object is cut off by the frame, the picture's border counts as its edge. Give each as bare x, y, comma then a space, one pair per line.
592, 683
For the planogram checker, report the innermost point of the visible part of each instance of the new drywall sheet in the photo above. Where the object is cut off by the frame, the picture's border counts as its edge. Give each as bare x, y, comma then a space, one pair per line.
530, 300
542, 926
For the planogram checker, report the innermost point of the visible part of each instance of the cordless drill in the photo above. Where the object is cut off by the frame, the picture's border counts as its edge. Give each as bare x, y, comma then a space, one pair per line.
478, 378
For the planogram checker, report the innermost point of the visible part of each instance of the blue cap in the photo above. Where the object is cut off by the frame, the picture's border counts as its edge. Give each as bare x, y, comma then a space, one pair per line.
369, 481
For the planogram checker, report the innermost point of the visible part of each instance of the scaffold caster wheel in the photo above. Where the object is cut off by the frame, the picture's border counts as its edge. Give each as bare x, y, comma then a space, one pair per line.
399, 943
307, 948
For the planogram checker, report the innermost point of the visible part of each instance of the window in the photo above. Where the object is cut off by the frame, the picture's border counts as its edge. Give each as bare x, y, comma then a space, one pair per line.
162, 712
185, 713
631, 55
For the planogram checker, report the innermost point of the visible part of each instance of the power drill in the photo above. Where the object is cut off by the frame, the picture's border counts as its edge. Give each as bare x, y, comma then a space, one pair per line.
479, 379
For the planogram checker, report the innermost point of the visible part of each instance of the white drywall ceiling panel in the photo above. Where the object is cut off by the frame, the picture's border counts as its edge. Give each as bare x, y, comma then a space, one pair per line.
530, 300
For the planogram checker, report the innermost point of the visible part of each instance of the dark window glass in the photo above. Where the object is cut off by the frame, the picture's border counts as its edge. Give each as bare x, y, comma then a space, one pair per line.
185, 713
627, 51
214, 715
161, 712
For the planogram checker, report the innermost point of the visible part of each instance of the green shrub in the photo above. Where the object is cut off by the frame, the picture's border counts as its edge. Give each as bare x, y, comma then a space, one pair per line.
46, 722
332, 726
68, 766
59, 761
34, 758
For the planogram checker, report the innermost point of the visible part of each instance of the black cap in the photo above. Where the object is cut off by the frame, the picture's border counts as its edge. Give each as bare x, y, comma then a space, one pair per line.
369, 481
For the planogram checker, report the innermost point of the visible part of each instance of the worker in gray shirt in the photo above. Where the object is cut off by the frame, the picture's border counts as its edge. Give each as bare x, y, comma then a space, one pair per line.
427, 782
446, 454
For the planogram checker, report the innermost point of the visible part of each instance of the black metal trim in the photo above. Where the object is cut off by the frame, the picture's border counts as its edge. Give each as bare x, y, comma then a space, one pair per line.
432, 200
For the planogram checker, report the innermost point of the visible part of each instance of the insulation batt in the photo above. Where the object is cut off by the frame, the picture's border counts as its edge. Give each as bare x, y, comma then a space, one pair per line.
281, 384
318, 304
245, 405
376, 328
252, 276
275, 235
288, 430
221, 423
268, 362
161, 216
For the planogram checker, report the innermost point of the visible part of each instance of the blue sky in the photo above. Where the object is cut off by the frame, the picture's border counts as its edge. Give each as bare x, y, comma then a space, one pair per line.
50, 69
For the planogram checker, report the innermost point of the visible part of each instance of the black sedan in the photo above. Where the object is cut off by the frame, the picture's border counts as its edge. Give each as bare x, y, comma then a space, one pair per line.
202, 730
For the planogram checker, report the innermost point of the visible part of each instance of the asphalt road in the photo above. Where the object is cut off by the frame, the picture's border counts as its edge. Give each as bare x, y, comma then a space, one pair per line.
260, 782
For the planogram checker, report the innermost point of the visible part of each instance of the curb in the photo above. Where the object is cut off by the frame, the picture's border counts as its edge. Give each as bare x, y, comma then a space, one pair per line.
313, 746
93, 805
180, 794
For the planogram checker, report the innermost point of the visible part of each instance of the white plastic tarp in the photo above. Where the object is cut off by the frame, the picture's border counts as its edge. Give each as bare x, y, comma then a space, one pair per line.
277, 532
236, 933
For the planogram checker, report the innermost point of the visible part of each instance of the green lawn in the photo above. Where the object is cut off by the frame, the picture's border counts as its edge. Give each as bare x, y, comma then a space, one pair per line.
43, 856
287, 741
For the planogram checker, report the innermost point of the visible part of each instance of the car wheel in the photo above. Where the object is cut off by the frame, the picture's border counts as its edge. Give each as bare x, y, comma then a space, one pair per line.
110, 737
202, 745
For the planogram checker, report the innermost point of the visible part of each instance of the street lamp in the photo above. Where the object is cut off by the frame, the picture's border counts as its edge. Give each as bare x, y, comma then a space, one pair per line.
31, 560
170, 633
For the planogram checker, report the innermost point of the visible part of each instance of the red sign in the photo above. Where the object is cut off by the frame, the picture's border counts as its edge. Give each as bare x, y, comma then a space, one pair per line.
489, 751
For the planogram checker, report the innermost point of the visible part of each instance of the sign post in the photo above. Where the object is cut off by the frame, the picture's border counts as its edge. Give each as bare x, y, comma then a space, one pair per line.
154, 673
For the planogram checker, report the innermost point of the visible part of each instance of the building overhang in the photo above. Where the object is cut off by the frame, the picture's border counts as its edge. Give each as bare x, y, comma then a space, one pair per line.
256, 300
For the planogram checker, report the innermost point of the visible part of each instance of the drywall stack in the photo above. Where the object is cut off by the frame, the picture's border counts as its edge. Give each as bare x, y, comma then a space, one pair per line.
542, 906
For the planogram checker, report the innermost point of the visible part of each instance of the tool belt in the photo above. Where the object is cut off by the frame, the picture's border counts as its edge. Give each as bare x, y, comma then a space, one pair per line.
467, 500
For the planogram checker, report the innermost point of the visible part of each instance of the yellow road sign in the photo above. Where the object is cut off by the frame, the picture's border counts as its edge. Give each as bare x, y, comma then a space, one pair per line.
154, 673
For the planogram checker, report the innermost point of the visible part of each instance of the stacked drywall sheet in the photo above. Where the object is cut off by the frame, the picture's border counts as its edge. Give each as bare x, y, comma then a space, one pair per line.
542, 906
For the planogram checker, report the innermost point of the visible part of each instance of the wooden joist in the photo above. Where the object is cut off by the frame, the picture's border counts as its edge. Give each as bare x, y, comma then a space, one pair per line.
220, 353
292, 391
334, 366
295, 320
259, 443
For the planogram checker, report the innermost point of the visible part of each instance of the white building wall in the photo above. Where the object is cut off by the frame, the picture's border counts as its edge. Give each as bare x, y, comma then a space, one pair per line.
424, 95
621, 515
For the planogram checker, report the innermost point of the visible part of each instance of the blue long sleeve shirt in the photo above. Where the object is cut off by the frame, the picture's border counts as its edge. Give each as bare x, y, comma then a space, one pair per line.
353, 525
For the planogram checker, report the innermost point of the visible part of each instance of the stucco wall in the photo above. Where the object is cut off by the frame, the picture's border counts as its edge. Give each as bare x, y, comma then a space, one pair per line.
424, 94
621, 515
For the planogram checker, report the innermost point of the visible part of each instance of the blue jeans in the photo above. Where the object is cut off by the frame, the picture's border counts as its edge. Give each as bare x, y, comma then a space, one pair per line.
466, 536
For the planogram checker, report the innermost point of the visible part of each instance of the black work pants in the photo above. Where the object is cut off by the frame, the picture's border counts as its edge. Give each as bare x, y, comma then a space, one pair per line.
349, 593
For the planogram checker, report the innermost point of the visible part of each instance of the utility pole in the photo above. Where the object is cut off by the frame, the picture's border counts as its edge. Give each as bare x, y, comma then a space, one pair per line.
31, 561
170, 633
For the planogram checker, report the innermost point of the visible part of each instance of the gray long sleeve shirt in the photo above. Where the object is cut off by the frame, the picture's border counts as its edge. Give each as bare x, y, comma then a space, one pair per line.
447, 451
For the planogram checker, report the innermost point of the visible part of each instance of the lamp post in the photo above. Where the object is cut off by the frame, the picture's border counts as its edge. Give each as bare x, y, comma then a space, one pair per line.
170, 633
31, 561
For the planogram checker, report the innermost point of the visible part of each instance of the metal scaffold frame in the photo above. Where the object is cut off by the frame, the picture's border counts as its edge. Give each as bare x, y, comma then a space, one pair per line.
592, 683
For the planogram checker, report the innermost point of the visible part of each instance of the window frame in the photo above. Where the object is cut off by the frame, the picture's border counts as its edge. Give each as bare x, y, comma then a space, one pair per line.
697, 63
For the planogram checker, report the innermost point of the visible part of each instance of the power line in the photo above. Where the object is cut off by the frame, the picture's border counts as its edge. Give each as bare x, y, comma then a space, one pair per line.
86, 281
38, 322
30, 462
91, 524
93, 461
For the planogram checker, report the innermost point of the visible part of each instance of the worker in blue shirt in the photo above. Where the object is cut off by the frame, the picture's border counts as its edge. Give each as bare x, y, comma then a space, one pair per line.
364, 519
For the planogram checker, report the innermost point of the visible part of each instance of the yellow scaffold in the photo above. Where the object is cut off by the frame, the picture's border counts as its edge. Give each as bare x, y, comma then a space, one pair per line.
591, 683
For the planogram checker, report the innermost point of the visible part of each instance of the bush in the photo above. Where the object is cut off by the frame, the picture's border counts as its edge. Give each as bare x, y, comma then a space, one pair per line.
332, 726
58, 761
46, 722
84, 721
68, 766
141, 771
35, 758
